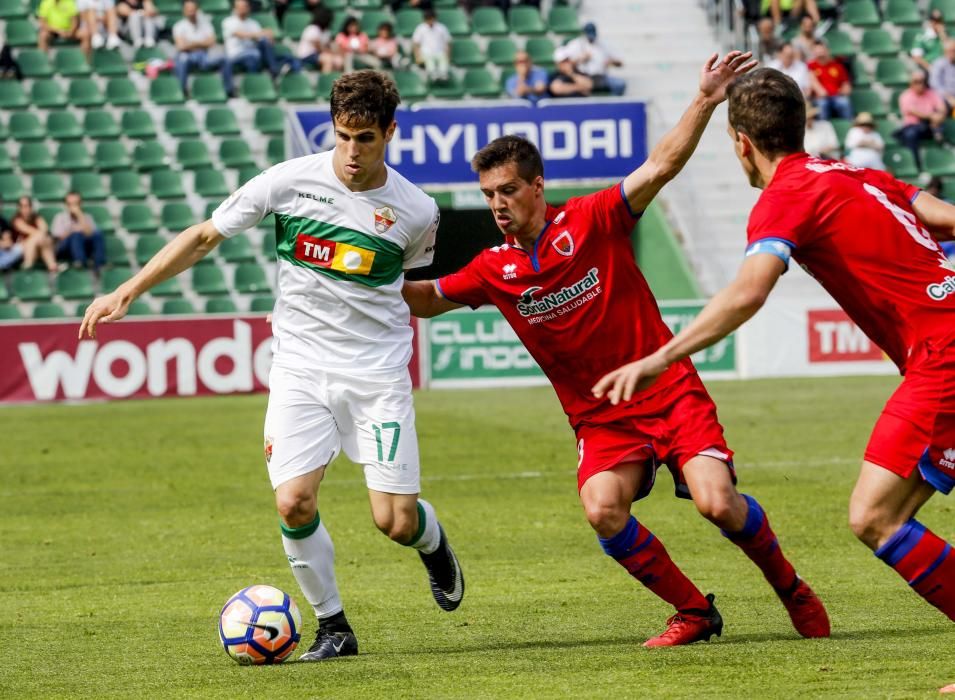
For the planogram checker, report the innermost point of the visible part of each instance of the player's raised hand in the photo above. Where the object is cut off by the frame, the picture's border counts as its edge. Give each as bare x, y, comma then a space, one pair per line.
621, 384
104, 309
717, 73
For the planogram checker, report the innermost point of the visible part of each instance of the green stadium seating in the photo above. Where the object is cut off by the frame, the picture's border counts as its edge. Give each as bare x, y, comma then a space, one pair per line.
63, 126
26, 126
35, 157
85, 93
109, 63
147, 246
221, 121
193, 154
169, 288
325, 82
501, 52
268, 120
366, 4
165, 90
149, 155
879, 43
48, 187
456, 20
14, 9
9, 312
48, 309
46, 93
126, 185
948, 130
406, 21
887, 128
101, 216
892, 72
237, 249
541, 50
295, 22
139, 307
489, 21
526, 20
90, 186
177, 307
410, 86
275, 150
11, 185
861, 13
868, 100
900, 162
166, 184
4, 131
257, 87
903, 13
208, 89
71, 62
34, 63
296, 87
947, 8
250, 279
220, 306
268, 244
938, 160
115, 255
181, 123
100, 124
841, 127
467, 52
21, 33
122, 92
262, 304
371, 19
73, 155
478, 82
6, 165
75, 284
235, 153
840, 44
450, 89
115, 276
112, 155
176, 217
32, 285
268, 21
860, 75
210, 183
208, 280
246, 173
138, 124
12, 95
562, 19
145, 54
138, 218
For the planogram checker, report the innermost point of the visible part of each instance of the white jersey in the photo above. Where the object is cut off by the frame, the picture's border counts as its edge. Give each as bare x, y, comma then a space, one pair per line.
341, 258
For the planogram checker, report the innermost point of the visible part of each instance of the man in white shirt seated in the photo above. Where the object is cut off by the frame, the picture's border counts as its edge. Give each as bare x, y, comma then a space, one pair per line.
250, 46
789, 63
431, 42
194, 37
593, 58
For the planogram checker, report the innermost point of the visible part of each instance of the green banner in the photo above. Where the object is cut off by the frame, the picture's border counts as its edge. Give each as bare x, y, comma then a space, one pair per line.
720, 357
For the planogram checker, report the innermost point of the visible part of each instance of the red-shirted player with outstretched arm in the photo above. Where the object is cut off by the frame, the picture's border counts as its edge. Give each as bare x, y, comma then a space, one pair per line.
566, 281
870, 240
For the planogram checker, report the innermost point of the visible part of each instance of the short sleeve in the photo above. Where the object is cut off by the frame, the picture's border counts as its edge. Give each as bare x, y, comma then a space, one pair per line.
245, 208
465, 286
609, 210
421, 251
890, 185
778, 224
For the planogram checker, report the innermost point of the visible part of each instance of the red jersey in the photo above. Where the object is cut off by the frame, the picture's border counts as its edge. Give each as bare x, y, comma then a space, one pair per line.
831, 76
577, 301
854, 230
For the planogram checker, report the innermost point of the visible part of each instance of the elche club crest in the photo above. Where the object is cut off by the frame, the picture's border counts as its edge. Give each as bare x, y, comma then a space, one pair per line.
268, 449
385, 218
564, 244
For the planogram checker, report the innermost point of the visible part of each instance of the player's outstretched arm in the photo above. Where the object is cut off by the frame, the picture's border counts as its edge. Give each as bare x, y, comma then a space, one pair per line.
725, 312
424, 300
181, 253
673, 151
938, 216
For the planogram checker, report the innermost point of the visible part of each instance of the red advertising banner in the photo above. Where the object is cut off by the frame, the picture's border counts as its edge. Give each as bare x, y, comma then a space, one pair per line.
833, 337
197, 356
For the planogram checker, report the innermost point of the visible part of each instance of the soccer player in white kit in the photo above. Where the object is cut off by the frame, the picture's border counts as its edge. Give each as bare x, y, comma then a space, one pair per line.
347, 226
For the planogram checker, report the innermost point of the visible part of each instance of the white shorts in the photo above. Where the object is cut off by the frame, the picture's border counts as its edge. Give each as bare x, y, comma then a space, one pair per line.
313, 415
100, 6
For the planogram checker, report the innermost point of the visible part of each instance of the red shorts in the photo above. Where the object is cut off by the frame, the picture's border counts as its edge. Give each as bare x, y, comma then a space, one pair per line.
917, 425
677, 427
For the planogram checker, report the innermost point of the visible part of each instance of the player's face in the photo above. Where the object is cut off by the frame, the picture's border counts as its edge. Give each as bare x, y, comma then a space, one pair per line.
359, 158
514, 202
744, 153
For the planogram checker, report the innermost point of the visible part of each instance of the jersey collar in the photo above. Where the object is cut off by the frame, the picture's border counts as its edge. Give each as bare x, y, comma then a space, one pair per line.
549, 216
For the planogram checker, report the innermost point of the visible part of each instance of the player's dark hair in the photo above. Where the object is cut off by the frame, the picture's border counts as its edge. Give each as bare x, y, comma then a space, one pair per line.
364, 97
510, 149
770, 109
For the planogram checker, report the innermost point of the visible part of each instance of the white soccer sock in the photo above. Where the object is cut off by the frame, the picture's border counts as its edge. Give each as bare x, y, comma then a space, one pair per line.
312, 557
428, 536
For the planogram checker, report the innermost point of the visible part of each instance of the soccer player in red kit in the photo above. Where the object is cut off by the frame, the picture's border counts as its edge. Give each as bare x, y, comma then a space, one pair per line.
566, 281
870, 240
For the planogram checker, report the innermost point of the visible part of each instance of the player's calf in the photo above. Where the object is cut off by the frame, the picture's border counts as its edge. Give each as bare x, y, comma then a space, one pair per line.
925, 561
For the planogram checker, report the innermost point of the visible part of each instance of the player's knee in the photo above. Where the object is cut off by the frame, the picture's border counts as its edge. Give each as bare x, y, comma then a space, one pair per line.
296, 508
397, 529
606, 517
725, 510
871, 526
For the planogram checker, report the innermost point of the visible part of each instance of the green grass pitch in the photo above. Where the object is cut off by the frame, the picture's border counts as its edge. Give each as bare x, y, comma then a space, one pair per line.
125, 526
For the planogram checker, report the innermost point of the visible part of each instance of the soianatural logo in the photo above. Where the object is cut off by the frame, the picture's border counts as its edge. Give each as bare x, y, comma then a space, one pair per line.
509, 271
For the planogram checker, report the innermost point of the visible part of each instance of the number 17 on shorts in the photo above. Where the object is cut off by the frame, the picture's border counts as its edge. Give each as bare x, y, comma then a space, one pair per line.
389, 453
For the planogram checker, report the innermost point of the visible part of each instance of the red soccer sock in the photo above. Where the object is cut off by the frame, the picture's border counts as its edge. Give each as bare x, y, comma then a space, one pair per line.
759, 542
925, 561
646, 559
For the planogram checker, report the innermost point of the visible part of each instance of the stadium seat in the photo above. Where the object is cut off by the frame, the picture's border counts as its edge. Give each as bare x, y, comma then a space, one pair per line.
14, 9
478, 82
262, 304
85, 93
193, 154
938, 160
32, 285
181, 123
221, 121
11, 185
861, 13
115, 255
450, 89
75, 284
878, 43
138, 124
860, 75
208, 89
541, 50
89, 185
455, 19
501, 52
165, 90
144, 54
126, 185
840, 44
34, 63
21, 33
325, 82
107, 63
12, 95
139, 307
526, 20
275, 150
235, 153
174, 307
4, 131
46, 93
371, 19
268, 21
868, 100
71, 62
948, 130
489, 21
176, 216
138, 218
63, 126
35, 157
6, 164
257, 87
410, 86
122, 92
907, 40
9, 312
947, 7
169, 288
208, 280
296, 87
221, 306
73, 155
903, 13
841, 127
48, 309
900, 162
115, 276
100, 124
295, 22
562, 19
210, 183
105, 221
246, 173
111, 155
166, 184
147, 246
48, 187
26, 126
250, 279
268, 120
466, 52
892, 72
406, 21
236, 249
149, 155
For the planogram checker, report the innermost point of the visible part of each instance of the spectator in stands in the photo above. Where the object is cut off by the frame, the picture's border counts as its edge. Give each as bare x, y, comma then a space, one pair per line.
805, 40
864, 144
923, 113
351, 42
10, 251
416, 4
383, 49
768, 43
936, 188
928, 45
250, 46
315, 45
60, 20
528, 82
141, 19
788, 12
942, 77
821, 140
787, 62
281, 7
193, 36
431, 43
833, 84
99, 16
592, 57
33, 235
567, 81
78, 238
9, 68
